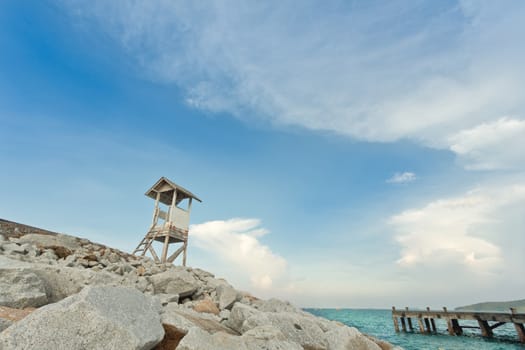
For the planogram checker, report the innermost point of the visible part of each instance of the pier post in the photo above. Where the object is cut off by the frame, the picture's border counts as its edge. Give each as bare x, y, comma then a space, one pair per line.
450, 327
519, 327
427, 325
421, 327
486, 331
410, 327
403, 324
394, 318
456, 327
432, 322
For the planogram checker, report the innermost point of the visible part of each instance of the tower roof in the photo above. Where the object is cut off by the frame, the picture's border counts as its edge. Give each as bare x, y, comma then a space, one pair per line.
165, 187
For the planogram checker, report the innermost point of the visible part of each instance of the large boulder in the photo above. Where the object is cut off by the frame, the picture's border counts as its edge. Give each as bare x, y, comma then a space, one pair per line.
227, 296
275, 305
175, 281
239, 314
198, 339
266, 339
19, 286
295, 327
185, 319
96, 318
348, 338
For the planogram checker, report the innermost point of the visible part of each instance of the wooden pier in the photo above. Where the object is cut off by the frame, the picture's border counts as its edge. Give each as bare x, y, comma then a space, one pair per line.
487, 321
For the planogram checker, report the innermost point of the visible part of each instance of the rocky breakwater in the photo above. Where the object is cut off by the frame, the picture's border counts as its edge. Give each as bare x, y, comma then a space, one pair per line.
62, 292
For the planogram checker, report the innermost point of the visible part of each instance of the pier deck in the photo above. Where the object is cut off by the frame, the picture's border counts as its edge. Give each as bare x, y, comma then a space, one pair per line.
487, 321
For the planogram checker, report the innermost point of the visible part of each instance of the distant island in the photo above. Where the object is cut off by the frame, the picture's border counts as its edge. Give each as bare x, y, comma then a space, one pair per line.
496, 306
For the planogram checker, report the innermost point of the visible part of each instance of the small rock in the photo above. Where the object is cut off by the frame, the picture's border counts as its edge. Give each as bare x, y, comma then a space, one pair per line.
83, 262
206, 305
167, 298
141, 270
90, 257
224, 315
13, 248
60, 251
113, 258
92, 263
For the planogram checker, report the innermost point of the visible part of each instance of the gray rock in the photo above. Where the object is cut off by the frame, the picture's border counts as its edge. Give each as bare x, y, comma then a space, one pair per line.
51, 240
20, 288
61, 282
11, 263
227, 296
238, 315
275, 305
96, 318
184, 319
224, 314
48, 254
265, 333
202, 275
175, 281
13, 248
348, 338
113, 258
268, 338
295, 327
197, 339
164, 299
4, 323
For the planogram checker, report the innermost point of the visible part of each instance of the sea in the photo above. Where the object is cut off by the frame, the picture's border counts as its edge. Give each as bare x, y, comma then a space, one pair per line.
378, 323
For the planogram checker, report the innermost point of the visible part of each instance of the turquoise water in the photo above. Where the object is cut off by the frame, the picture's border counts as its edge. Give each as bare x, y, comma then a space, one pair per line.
379, 324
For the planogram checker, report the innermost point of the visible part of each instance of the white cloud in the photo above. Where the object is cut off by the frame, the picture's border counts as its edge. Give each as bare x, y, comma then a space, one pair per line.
356, 70
402, 178
474, 231
236, 242
492, 145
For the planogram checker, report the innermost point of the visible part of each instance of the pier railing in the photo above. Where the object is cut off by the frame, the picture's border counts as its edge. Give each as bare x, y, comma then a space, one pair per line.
487, 321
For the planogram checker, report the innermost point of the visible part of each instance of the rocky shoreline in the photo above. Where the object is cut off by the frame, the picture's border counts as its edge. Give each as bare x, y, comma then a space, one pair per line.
63, 292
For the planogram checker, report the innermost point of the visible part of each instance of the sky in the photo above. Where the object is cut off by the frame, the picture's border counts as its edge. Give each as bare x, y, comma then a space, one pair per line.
348, 153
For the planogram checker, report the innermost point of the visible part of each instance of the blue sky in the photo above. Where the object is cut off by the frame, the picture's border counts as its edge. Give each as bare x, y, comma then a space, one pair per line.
349, 153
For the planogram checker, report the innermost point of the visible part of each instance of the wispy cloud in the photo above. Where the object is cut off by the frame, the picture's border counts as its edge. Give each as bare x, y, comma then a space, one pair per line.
357, 69
402, 178
237, 242
493, 145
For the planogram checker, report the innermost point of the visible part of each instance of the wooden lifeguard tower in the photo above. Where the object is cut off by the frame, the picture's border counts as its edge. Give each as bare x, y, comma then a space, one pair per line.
170, 223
